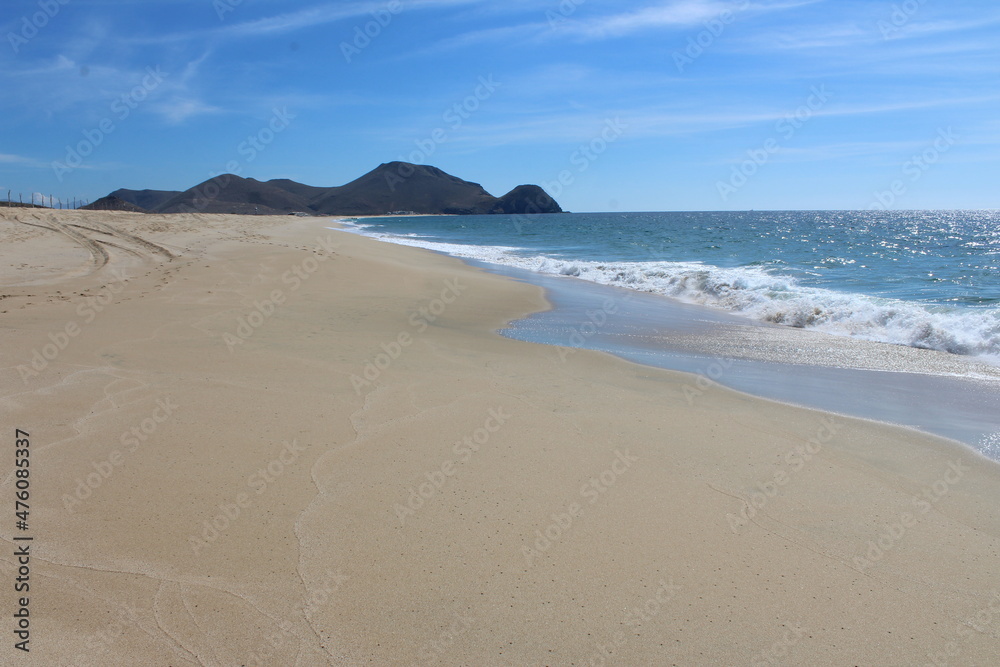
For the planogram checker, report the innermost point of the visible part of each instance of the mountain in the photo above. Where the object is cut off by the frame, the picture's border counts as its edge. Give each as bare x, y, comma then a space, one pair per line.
306, 192
400, 186
229, 193
113, 203
526, 199
144, 199
389, 188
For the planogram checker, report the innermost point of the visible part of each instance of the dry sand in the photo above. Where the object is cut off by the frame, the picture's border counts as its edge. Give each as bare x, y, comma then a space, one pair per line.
481, 502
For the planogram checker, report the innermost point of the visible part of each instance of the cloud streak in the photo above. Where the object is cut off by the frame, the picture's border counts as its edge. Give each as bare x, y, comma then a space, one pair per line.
682, 14
569, 127
21, 161
288, 22
552, 24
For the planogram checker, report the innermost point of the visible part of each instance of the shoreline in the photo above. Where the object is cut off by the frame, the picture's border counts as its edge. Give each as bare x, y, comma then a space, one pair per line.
933, 392
479, 500
730, 285
888, 383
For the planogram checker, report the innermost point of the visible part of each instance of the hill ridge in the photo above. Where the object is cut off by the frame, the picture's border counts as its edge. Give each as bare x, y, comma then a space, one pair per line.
392, 187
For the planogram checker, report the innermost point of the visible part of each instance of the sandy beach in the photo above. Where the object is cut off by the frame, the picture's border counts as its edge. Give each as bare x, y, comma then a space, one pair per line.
258, 441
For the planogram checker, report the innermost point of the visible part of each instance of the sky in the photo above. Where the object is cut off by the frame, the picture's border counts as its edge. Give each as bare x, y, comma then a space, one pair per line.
609, 105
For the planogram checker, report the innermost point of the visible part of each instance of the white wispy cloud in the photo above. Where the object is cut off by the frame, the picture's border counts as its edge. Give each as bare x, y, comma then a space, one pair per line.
575, 125
22, 162
192, 67
834, 151
292, 21
918, 28
673, 14
812, 38
176, 110
62, 84
582, 24
309, 17
907, 105
503, 34
868, 29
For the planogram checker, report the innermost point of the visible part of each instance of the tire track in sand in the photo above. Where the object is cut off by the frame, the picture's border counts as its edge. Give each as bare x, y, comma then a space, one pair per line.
103, 228
99, 255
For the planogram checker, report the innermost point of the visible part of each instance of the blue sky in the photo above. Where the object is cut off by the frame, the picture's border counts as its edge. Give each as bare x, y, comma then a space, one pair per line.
669, 105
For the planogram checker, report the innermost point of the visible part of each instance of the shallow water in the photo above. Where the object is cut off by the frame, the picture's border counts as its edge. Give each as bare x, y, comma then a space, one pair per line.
960, 399
875, 347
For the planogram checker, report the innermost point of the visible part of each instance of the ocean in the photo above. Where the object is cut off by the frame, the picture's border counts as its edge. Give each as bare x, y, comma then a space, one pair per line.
900, 308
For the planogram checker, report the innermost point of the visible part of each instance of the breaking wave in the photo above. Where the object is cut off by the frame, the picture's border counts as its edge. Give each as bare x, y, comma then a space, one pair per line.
762, 294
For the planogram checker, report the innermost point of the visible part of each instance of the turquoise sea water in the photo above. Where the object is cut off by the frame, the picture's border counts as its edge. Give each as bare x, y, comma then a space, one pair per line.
925, 279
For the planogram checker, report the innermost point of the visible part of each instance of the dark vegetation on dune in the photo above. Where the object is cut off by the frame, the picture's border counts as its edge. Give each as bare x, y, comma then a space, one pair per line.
15, 204
113, 203
144, 199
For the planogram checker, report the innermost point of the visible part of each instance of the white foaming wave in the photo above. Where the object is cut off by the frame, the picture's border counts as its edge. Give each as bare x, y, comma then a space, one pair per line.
755, 293
492, 254
351, 225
